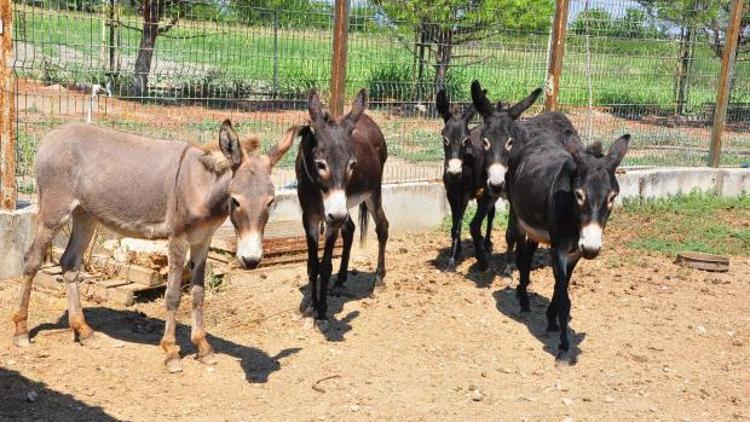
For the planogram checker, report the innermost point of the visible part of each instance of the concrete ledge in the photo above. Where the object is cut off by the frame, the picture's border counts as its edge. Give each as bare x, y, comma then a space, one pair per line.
16, 235
412, 207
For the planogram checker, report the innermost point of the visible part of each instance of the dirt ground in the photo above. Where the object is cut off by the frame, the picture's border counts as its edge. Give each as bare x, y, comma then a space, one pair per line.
653, 341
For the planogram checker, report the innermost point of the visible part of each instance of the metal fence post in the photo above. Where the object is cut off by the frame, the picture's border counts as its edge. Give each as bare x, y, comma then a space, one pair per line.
557, 50
338, 61
725, 81
7, 110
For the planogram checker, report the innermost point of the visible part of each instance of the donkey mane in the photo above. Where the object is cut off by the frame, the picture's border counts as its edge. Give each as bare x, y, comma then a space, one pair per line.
215, 160
595, 149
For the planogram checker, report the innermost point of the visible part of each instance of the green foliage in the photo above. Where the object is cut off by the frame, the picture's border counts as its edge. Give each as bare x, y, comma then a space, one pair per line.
598, 21
287, 13
701, 222
499, 223
400, 82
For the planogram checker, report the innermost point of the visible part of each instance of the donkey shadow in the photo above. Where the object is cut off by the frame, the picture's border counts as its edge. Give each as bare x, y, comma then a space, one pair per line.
536, 322
359, 285
136, 327
502, 263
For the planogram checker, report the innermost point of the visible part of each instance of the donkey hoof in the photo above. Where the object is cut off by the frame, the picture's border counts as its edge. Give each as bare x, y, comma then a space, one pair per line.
563, 359
21, 340
208, 359
91, 341
451, 267
322, 325
173, 365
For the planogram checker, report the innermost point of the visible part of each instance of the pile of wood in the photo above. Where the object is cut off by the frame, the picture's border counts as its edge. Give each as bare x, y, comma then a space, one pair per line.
127, 269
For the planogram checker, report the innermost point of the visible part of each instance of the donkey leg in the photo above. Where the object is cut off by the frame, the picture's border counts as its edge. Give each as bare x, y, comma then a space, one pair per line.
488, 238
483, 206
562, 266
32, 262
326, 268
197, 265
347, 234
312, 235
375, 206
80, 237
524, 256
178, 247
50, 219
457, 214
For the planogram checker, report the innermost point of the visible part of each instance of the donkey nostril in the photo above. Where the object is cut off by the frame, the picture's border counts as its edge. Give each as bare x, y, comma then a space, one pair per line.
250, 263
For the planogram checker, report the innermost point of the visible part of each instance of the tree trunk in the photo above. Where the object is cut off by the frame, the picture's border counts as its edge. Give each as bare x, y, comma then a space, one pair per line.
686, 57
142, 69
444, 53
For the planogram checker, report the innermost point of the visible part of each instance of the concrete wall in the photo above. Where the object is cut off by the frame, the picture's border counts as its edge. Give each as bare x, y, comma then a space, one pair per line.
16, 235
414, 206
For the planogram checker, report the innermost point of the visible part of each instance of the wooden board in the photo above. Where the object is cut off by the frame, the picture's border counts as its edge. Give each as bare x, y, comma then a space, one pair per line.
703, 261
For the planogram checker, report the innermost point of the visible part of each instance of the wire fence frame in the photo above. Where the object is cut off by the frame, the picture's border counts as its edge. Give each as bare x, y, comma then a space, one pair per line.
255, 62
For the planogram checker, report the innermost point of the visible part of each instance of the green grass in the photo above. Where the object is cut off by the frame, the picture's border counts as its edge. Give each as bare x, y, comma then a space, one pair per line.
509, 64
701, 222
499, 223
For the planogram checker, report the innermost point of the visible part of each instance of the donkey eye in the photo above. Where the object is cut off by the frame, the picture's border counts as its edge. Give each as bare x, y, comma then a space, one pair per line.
486, 144
233, 203
352, 164
321, 165
465, 141
446, 141
509, 144
580, 196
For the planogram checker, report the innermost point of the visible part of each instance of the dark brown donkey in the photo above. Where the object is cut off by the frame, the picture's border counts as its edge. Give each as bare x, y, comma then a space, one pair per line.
148, 188
339, 166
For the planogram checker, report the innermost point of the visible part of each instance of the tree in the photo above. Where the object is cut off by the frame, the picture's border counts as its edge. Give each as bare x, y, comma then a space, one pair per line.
153, 11
441, 25
716, 26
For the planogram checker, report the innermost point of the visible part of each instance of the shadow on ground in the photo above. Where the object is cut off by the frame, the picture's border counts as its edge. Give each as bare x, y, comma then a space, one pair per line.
536, 321
27, 400
501, 262
136, 327
359, 285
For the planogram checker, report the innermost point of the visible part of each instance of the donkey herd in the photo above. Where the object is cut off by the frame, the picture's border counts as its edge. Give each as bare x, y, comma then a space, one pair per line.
560, 194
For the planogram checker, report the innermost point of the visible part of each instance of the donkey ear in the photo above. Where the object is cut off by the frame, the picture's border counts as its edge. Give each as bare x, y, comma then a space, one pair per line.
516, 110
443, 105
468, 113
315, 108
229, 144
617, 151
278, 150
479, 98
358, 106
572, 143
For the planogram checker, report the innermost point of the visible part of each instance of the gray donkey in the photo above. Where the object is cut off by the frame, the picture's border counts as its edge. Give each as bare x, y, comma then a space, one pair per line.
154, 189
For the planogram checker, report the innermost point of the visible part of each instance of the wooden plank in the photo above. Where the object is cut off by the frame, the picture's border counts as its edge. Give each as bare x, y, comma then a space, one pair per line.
7, 110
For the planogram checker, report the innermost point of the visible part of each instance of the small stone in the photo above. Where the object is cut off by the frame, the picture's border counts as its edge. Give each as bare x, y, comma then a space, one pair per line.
31, 396
609, 399
483, 374
42, 355
506, 371
700, 329
210, 369
567, 401
354, 408
568, 419
11, 362
403, 250
476, 395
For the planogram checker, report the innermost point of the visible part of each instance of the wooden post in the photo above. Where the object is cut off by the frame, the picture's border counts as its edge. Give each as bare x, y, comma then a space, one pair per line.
557, 50
725, 81
7, 110
338, 61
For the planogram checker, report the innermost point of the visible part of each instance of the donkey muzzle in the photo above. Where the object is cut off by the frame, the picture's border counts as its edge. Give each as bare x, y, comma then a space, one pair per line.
496, 178
590, 240
453, 168
334, 207
249, 250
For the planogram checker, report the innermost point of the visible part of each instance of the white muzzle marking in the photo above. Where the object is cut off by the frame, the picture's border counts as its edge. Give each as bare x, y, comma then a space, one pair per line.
591, 237
454, 166
496, 175
334, 204
249, 247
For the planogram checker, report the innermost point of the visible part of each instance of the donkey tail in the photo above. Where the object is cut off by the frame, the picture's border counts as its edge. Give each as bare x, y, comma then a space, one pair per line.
363, 220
